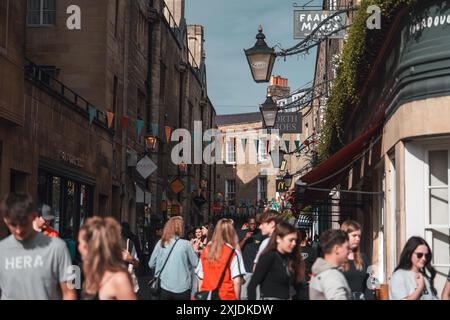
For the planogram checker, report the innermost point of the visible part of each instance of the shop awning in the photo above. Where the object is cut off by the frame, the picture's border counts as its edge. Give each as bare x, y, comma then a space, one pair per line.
331, 171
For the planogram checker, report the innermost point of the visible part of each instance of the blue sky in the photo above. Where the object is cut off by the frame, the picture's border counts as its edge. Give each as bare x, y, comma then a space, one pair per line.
231, 26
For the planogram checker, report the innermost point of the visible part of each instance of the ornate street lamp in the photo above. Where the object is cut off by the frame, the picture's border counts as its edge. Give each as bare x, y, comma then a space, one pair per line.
269, 111
261, 58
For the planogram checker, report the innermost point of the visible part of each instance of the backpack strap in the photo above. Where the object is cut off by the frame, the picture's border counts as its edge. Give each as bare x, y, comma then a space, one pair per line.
225, 270
160, 272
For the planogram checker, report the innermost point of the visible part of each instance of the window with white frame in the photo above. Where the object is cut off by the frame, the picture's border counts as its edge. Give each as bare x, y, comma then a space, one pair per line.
437, 220
262, 189
41, 12
262, 150
230, 191
230, 151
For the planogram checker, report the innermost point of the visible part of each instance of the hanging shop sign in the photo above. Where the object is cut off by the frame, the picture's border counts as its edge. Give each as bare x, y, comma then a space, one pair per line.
289, 122
146, 167
307, 21
177, 186
281, 185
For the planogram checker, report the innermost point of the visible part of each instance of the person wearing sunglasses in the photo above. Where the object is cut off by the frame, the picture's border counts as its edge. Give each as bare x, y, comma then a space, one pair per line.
413, 279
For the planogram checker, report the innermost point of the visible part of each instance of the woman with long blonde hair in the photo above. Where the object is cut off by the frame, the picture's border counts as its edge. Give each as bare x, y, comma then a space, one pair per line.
222, 256
355, 270
173, 260
106, 276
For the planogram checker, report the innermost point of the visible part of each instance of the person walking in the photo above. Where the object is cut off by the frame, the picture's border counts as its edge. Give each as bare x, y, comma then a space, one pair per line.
355, 269
106, 275
328, 282
413, 279
250, 239
33, 266
173, 260
214, 260
43, 221
268, 222
309, 255
279, 267
129, 253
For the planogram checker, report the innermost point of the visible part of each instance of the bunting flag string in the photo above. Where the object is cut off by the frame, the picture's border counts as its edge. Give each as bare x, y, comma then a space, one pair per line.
257, 145
297, 144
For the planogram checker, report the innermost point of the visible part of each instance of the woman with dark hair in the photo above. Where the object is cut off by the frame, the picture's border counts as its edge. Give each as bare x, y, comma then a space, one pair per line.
355, 269
280, 266
413, 279
207, 233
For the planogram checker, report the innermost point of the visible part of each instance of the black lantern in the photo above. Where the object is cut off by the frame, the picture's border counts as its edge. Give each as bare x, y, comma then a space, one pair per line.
269, 110
288, 179
261, 58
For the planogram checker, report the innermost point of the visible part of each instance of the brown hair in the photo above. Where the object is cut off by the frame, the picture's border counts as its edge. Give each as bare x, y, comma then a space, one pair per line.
269, 216
223, 233
296, 264
350, 226
331, 238
103, 239
173, 228
16, 207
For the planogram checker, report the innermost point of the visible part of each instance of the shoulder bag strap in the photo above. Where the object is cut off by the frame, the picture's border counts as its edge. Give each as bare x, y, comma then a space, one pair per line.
160, 272
225, 270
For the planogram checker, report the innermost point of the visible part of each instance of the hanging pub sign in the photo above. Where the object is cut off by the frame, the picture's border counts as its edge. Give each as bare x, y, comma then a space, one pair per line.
289, 122
177, 186
281, 185
305, 22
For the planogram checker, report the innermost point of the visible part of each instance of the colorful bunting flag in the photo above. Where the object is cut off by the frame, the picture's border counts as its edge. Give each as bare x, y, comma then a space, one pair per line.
168, 131
92, 114
257, 145
297, 144
124, 122
139, 126
267, 145
155, 128
244, 143
287, 143
110, 118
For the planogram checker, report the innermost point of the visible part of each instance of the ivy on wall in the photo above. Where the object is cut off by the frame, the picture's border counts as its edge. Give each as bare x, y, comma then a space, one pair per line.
351, 72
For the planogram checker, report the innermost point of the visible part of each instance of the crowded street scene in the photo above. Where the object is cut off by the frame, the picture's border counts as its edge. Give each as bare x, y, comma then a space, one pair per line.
253, 151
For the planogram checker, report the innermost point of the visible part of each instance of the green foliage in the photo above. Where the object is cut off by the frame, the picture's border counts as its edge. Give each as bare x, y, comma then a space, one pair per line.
351, 72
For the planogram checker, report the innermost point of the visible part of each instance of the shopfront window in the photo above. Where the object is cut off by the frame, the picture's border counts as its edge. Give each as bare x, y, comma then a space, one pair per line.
70, 200
437, 229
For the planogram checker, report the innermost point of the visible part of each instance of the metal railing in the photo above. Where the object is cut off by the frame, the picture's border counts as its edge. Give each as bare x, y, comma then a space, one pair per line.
37, 74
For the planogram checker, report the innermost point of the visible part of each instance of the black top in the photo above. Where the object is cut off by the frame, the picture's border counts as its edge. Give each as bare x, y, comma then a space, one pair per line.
309, 256
357, 279
250, 248
272, 275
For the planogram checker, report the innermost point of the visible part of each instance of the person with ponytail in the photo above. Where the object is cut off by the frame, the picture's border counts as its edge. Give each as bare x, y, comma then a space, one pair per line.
280, 266
413, 279
355, 269
105, 273
222, 256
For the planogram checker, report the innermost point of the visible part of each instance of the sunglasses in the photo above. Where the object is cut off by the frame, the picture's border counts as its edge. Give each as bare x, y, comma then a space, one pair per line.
421, 254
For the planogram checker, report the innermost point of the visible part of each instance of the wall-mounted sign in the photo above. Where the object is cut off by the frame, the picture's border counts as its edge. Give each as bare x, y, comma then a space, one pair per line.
71, 159
289, 122
307, 21
281, 185
146, 167
177, 186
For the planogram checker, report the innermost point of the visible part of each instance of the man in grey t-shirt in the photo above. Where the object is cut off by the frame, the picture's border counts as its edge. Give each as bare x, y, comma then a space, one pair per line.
32, 265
